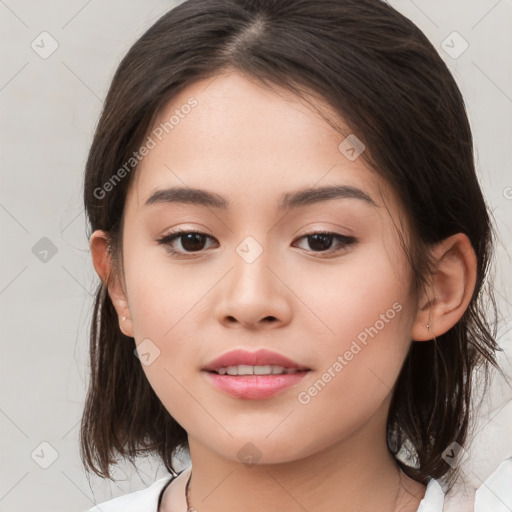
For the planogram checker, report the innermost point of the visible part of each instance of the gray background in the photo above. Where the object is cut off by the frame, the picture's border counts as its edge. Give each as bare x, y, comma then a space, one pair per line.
48, 111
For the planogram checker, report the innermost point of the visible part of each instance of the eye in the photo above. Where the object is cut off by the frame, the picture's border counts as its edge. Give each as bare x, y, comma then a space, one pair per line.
190, 241
323, 241
194, 241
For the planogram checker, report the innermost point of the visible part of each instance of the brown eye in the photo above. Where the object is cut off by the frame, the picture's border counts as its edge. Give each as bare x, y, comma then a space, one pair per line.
324, 241
194, 242
320, 241
190, 241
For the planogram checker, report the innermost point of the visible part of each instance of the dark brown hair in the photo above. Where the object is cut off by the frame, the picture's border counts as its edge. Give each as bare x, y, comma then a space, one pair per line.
386, 81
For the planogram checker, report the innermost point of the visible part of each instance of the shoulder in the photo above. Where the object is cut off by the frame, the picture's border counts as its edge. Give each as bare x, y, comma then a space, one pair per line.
496, 492
145, 500
433, 500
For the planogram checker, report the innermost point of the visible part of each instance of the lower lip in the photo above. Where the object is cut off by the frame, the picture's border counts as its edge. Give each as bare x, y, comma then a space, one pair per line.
255, 387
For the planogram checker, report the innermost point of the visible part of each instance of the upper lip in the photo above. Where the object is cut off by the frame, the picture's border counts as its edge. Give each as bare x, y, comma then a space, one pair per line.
261, 357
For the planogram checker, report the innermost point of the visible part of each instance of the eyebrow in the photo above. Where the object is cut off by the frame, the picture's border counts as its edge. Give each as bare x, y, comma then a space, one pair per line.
289, 200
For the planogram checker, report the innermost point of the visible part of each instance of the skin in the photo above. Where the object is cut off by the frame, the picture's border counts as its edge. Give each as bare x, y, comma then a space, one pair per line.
251, 145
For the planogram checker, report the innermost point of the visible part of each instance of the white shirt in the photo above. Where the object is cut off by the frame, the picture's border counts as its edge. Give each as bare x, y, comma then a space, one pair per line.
494, 495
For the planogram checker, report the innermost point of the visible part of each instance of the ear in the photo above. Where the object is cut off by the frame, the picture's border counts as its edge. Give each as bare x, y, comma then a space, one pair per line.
450, 288
102, 261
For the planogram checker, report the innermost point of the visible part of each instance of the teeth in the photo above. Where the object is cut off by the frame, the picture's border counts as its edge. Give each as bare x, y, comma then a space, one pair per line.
244, 369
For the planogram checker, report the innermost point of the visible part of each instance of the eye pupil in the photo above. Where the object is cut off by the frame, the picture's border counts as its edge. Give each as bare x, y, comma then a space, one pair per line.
320, 241
192, 241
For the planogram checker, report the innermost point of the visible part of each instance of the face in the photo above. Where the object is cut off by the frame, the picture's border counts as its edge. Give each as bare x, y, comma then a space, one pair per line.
256, 276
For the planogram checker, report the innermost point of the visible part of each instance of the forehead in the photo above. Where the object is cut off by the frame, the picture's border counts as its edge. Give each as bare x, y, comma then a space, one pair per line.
233, 136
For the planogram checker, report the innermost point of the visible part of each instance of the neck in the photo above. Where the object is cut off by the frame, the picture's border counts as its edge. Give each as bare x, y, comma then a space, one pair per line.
355, 475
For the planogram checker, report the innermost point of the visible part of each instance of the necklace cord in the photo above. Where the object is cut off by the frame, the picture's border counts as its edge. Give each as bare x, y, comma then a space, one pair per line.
187, 495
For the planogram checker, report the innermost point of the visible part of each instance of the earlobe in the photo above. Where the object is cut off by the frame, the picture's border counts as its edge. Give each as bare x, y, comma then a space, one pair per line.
121, 306
102, 261
450, 288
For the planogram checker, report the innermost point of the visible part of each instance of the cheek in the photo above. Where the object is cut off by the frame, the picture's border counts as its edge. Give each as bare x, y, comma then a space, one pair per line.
169, 307
162, 299
339, 301
357, 369
362, 321
161, 294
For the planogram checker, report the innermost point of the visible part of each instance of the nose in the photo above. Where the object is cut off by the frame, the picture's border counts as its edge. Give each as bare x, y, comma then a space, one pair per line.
254, 295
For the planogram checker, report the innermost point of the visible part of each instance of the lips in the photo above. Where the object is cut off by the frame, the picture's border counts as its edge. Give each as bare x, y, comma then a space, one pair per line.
261, 357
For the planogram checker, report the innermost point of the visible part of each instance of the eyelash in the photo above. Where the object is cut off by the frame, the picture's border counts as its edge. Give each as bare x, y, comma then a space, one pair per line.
166, 240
